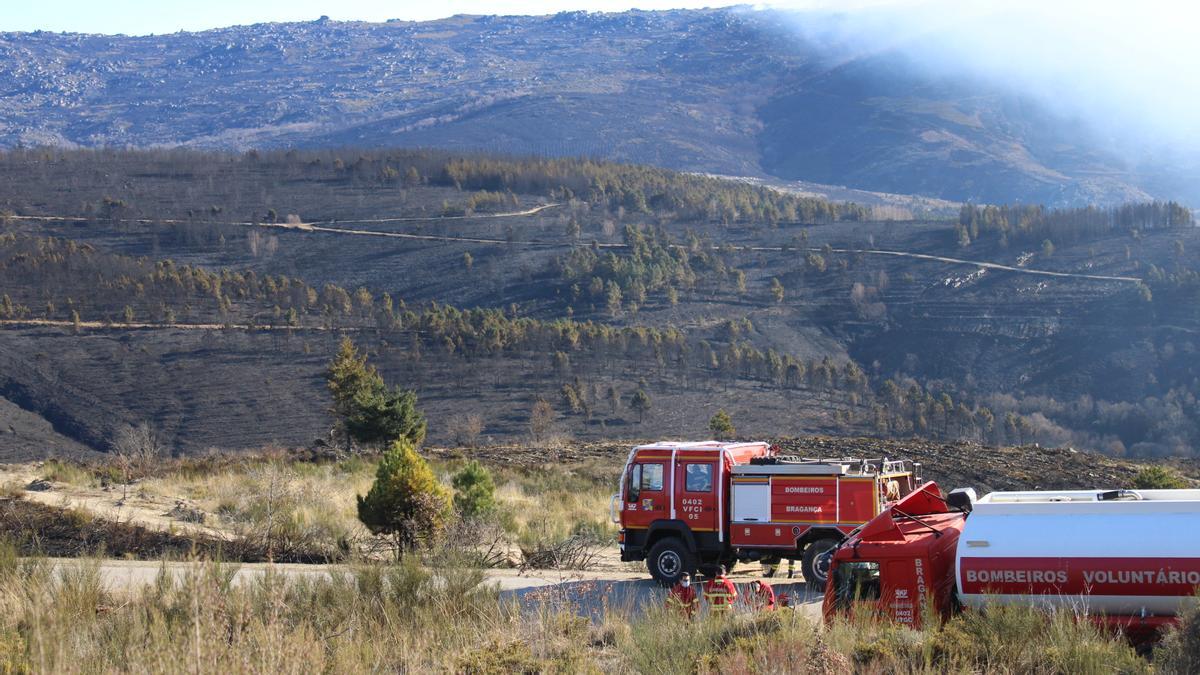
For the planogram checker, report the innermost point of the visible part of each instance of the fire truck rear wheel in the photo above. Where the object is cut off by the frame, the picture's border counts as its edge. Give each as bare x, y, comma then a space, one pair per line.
815, 563
668, 560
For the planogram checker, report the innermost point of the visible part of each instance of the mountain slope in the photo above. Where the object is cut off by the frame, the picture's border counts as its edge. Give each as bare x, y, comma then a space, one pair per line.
722, 91
208, 303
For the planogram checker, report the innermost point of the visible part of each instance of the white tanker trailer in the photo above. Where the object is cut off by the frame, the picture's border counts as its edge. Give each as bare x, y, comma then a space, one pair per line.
1127, 557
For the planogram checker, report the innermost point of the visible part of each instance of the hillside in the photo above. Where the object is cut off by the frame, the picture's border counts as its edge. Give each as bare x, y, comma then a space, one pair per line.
205, 293
643, 87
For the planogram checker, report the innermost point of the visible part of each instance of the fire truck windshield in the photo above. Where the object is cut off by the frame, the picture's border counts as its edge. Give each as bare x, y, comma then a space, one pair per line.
856, 582
652, 477
643, 477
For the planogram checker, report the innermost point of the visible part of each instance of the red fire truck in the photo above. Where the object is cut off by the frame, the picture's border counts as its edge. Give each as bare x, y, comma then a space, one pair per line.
685, 507
1128, 558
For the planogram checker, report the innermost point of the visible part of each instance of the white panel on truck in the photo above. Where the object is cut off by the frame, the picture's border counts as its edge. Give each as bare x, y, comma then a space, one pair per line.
751, 503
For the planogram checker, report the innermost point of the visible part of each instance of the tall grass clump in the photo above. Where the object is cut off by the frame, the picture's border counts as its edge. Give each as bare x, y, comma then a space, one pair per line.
543, 504
287, 510
1009, 639
371, 618
1001, 640
1025, 639
666, 641
65, 471
1179, 653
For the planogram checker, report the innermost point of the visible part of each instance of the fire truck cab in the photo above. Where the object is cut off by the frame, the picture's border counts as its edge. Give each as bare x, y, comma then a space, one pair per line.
901, 564
685, 507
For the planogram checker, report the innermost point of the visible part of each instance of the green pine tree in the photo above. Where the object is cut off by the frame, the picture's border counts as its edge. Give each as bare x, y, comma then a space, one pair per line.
406, 500
475, 491
722, 425
348, 376
381, 415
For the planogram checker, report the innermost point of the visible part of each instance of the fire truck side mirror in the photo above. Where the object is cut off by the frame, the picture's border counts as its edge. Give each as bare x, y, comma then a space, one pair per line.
962, 499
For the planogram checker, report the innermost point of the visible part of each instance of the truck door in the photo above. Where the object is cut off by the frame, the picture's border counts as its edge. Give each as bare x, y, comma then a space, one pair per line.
646, 497
698, 497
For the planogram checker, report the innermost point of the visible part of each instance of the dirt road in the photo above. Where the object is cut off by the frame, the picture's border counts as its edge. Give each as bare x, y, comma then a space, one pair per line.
302, 225
138, 325
326, 227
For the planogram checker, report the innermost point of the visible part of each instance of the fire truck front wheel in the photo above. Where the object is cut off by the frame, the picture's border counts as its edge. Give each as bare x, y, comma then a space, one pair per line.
668, 560
815, 562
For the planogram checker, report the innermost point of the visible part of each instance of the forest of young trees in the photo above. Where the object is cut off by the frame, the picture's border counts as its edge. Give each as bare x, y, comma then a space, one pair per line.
59, 279
651, 264
610, 188
1036, 224
643, 189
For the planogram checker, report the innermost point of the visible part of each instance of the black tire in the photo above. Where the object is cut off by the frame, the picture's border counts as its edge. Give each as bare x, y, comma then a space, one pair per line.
814, 564
668, 560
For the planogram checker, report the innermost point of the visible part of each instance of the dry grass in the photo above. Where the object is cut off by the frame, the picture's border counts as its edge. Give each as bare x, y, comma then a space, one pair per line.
556, 502
404, 618
306, 510
377, 617
72, 473
317, 500
294, 509
11, 489
371, 619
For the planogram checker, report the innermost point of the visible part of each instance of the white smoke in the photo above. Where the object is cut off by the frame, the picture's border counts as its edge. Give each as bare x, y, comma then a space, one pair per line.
1131, 70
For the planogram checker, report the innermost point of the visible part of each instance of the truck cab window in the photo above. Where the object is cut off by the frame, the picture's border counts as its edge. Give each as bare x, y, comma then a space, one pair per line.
856, 582
699, 478
634, 489
652, 477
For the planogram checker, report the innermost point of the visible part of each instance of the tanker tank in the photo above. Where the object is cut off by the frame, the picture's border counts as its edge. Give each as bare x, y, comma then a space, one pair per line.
1116, 552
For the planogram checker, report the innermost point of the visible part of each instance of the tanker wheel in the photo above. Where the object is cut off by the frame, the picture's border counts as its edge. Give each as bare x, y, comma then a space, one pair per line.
668, 560
814, 565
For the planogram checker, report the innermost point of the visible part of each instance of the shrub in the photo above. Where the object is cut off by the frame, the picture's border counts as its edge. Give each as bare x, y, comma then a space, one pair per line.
406, 500
1026, 639
465, 429
475, 491
500, 659
1179, 652
1158, 477
64, 471
199, 620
